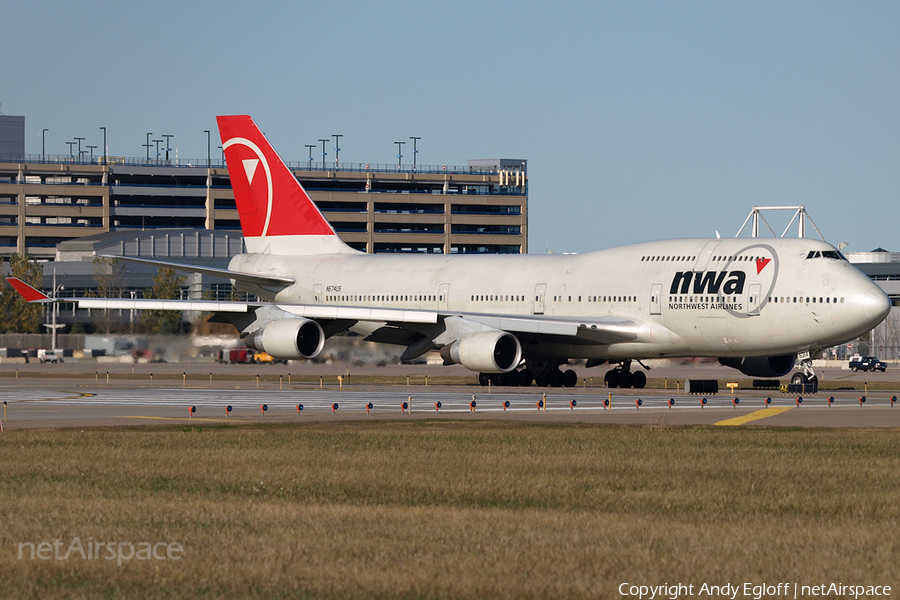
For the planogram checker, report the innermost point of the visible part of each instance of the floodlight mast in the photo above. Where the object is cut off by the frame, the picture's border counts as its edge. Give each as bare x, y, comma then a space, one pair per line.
800, 215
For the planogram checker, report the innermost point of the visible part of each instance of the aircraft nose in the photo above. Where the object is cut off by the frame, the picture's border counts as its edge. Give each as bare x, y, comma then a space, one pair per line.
876, 305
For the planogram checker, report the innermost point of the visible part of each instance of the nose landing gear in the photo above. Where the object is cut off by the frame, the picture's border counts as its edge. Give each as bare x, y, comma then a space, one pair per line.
808, 376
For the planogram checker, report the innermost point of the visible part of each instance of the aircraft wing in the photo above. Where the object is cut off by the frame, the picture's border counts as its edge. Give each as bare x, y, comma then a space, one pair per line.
398, 325
266, 280
601, 329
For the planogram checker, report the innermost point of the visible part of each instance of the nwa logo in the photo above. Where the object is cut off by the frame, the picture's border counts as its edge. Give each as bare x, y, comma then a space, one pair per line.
708, 282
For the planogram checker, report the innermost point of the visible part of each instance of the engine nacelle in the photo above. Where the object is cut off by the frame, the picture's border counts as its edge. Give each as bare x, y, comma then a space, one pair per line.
762, 366
289, 339
485, 352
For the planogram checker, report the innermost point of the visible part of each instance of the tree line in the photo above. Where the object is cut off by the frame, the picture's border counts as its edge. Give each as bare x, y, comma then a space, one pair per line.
19, 316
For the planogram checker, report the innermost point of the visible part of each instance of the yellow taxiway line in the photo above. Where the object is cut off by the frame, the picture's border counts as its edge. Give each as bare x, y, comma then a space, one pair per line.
754, 416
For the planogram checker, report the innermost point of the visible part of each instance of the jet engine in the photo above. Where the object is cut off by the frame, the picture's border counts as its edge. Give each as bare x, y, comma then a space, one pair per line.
485, 352
761, 366
289, 339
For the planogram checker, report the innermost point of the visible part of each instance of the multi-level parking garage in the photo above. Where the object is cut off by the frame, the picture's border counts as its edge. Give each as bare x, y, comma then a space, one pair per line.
376, 209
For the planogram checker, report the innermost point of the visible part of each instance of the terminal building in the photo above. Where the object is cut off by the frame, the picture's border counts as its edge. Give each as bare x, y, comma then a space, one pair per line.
884, 268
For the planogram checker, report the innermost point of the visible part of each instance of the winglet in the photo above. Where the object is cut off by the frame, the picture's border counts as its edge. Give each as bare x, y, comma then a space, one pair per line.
29, 293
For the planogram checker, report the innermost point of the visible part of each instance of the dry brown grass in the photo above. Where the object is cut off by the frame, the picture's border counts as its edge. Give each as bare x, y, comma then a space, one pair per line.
448, 509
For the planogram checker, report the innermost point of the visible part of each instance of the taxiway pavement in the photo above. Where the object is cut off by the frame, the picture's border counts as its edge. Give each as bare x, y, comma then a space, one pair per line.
56, 400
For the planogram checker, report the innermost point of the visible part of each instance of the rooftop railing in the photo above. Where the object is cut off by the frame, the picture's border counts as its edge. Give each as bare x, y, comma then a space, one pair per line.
56, 159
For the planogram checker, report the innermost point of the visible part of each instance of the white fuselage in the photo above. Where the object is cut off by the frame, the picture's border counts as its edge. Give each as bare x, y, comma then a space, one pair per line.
690, 297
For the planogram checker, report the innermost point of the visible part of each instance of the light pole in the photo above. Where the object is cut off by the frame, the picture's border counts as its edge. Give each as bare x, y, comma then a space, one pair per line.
52, 324
168, 137
44, 144
157, 142
70, 148
148, 145
208, 142
323, 152
399, 155
105, 157
336, 149
310, 146
79, 147
415, 151
91, 148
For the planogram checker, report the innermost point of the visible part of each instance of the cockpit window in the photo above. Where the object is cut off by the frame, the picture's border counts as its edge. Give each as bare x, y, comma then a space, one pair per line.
833, 254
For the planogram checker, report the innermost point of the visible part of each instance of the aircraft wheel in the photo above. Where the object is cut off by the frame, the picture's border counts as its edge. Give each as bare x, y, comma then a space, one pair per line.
638, 380
570, 378
525, 378
510, 379
799, 378
483, 379
611, 379
555, 378
626, 379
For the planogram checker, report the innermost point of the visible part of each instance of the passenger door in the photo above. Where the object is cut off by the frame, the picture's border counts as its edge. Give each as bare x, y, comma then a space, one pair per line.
655, 298
704, 256
540, 297
753, 299
444, 297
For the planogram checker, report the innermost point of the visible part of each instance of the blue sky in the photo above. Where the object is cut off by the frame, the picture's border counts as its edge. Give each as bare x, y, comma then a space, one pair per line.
639, 120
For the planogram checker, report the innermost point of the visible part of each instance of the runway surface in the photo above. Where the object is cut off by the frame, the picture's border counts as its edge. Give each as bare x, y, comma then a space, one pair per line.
52, 402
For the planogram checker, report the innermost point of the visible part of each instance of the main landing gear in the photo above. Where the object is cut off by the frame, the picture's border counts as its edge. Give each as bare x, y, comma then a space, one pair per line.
547, 375
522, 377
622, 377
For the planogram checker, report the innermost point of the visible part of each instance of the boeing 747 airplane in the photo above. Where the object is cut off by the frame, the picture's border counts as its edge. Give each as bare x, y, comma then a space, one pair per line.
759, 305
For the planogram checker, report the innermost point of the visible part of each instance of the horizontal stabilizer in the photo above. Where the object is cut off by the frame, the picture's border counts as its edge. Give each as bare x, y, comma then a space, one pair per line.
34, 295
29, 293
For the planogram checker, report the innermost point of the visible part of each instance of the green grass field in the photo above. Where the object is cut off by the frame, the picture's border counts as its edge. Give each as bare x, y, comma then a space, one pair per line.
426, 509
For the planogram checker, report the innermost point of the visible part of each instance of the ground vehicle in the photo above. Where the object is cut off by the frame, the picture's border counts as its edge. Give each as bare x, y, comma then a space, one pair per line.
235, 355
866, 363
51, 356
264, 358
246, 355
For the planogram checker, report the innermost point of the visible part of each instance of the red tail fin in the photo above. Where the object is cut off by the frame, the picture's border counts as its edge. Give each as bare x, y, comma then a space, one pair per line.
29, 293
270, 200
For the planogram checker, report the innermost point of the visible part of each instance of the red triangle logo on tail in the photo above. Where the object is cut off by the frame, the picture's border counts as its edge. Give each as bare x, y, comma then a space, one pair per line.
761, 264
